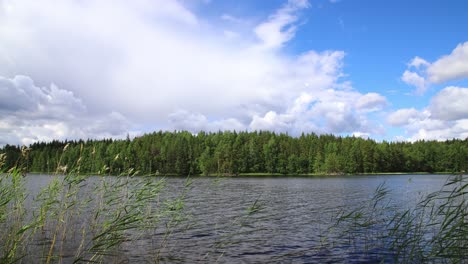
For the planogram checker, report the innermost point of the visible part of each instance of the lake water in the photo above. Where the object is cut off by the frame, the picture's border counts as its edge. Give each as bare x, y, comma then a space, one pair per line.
265, 219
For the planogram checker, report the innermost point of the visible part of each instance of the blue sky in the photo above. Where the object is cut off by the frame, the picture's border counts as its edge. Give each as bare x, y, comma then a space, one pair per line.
388, 70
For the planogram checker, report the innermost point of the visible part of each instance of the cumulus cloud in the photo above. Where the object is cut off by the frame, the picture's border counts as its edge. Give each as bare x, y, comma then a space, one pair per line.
446, 117
328, 111
184, 120
437, 130
417, 62
371, 102
412, 78
450, 67
20, 95
30, 113
405, 116
273, 122
447, 68
159, 64
450, 104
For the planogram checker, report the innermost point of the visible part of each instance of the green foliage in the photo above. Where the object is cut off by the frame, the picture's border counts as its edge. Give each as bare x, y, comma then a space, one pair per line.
233, 153
434, 231
74, 219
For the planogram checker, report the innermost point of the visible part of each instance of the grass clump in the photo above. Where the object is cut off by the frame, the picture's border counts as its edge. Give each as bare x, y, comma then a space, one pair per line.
76, 219
435, 230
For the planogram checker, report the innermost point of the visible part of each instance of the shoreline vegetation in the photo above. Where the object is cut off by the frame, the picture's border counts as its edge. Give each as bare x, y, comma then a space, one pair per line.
435, 230
74, 220
240, 154
264, 174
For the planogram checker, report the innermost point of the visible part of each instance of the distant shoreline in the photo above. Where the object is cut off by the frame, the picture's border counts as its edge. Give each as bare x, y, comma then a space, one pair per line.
246, 175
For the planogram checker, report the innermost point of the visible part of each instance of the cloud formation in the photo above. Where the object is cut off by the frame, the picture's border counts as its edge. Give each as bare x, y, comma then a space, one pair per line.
450, 67
444, 118
371, 102
280, 27
29, 113
404, 116
160, 65
414, 79
450, 104
421, 73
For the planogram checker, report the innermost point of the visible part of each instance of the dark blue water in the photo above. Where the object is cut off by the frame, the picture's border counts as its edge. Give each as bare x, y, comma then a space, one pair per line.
267, 219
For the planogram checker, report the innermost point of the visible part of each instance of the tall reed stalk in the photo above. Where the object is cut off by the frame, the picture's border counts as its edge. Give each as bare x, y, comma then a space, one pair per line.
78, 219
435, 230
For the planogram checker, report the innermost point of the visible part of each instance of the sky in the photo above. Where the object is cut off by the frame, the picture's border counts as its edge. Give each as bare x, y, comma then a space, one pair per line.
386, 70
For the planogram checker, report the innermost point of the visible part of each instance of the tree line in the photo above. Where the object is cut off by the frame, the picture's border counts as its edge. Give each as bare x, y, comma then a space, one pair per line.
234, 153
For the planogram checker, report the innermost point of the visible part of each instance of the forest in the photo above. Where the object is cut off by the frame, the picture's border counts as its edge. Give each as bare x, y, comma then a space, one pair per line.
238, 153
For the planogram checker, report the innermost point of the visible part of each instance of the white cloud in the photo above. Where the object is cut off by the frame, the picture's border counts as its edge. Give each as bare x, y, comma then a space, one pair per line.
417, 62
371, 102
456, 129
447, 68
195, 122
273, 122
450, 104
327, 111
280, 27
361, 135
159, 64
29, 113
412, 78
171, 10
450, 67
446, 117
403, 117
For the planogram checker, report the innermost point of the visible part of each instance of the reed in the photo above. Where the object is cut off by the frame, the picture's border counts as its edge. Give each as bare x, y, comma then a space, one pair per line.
435, 230
73, 219
78, 219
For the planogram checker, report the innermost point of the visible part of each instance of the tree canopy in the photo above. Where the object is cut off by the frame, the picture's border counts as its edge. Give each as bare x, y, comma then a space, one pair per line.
233, 153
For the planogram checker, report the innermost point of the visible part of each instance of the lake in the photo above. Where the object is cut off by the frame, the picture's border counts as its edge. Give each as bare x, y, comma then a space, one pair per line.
256, 219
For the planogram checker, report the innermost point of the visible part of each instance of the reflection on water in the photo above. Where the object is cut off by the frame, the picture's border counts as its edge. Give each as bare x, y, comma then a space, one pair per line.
264, 219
